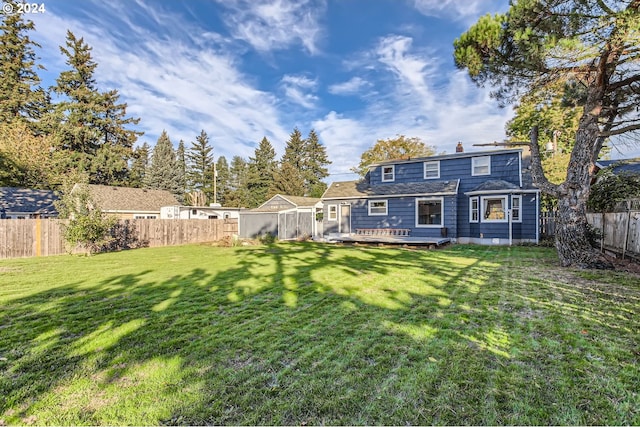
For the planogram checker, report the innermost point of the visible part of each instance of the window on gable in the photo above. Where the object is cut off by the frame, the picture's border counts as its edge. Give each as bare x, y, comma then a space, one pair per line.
516, 203
378, 207
481, 165
431, 170
333, 213
474, 209
494, 209
388, 173
429, 212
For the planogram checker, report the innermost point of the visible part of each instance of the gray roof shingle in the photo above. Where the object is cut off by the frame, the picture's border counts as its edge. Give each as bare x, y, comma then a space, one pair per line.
494, 185
125, 199
362, 189
622, 165
27, 200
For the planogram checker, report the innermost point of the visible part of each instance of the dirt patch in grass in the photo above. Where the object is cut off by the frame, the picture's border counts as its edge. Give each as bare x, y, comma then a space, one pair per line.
626, 265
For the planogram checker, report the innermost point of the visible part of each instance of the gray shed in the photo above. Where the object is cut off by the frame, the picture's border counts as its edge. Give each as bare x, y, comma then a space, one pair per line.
287, 217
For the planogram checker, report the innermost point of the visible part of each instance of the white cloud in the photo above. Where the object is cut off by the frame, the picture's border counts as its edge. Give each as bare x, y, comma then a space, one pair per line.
459, 10
353, 86
298, 90
175, 85
413, 70
345, 139
275, 24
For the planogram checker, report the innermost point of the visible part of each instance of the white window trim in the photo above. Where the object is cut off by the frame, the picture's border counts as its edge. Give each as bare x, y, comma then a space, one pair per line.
393, 173
329, 207
474, 165
424, 169
430, 199
386, 208
504, 203
477, 209
518, 197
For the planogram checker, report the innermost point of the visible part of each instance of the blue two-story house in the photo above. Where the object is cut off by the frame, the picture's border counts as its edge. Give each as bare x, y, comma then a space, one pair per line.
484, 197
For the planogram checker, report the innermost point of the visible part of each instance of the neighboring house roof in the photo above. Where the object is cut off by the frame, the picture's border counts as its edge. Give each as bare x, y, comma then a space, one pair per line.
622, 165
292, 201
361, 189
29, 201
124, 199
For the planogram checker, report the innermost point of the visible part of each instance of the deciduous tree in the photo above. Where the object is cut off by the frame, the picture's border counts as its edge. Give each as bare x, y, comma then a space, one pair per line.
400, 147
539, 42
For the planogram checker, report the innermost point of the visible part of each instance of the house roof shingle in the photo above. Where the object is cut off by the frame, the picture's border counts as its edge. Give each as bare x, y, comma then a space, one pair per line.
27, 200
494, 185
125, 199
622, 165
357, 189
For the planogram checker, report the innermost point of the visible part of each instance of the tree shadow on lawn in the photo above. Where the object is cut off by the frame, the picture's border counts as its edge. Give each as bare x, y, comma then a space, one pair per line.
305, 334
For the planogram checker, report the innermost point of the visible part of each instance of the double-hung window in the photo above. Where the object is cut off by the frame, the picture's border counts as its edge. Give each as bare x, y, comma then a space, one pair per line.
516, 211
481, 165
494, 209
378, 207
429, 212
474, 209
388, 173
432, 170
333, 213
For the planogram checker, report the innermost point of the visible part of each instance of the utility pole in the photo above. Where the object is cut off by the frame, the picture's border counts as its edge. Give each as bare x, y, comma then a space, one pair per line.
215, 181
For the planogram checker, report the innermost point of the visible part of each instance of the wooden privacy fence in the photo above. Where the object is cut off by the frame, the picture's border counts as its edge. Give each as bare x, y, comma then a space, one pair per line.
43, 237
620, 231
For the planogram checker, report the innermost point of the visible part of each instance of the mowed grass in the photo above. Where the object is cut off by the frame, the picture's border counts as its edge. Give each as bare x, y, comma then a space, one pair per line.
305, 333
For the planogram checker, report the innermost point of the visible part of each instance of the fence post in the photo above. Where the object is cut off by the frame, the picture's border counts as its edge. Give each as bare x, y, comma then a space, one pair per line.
626, 229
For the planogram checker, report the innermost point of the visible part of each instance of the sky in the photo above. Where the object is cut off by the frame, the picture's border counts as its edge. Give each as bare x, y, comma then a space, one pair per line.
355, 71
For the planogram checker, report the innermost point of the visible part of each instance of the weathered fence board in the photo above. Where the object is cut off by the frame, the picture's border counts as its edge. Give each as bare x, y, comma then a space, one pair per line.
43, 237
620, 230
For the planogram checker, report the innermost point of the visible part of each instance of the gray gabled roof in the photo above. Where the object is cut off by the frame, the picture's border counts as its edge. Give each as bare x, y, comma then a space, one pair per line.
27, 200
291, 202
620, 166
124, 199
362, 189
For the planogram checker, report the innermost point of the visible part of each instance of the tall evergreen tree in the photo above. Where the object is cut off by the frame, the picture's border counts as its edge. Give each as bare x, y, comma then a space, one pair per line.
181, 167
85, 120
287, 180
238, 194
261, 170
222, 181
161, 174
139, 165
21, 98
315, 169
200, 165
295, 150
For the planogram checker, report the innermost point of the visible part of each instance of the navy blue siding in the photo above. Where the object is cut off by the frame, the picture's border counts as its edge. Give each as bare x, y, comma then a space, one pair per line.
503, 166
402, 210
401, 213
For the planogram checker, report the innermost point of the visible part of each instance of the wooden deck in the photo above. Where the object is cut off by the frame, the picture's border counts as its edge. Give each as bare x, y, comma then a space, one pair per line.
391, 240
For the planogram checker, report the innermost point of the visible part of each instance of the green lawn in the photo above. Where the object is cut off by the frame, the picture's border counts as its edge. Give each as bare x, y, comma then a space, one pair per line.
306, 333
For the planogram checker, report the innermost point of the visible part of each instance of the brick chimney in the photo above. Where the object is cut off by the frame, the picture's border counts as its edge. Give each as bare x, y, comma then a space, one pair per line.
459, 148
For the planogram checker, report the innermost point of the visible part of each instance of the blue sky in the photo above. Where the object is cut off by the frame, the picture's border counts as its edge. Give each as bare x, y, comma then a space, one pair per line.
354, 70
